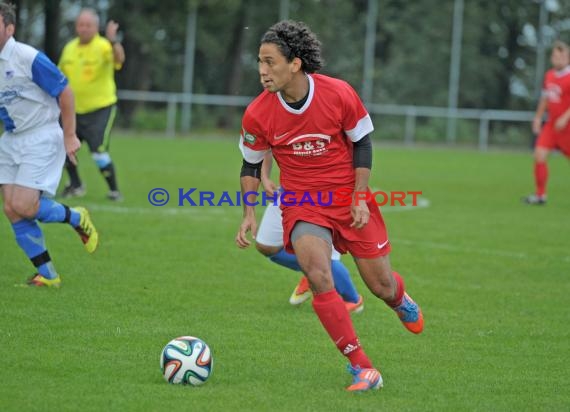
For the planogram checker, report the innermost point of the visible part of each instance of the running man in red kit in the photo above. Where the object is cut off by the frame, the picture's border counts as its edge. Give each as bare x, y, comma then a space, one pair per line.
555, 134
318, 131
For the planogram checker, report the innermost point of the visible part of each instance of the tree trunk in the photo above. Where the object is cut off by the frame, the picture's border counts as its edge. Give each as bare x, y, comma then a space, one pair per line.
235, 52
52, 22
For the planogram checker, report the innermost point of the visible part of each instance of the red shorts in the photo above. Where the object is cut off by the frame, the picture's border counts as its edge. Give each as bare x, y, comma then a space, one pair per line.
369, 242
552, 139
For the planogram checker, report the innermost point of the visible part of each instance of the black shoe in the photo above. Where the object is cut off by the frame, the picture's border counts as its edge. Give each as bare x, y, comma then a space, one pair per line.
115, 196
72, 191
534, 200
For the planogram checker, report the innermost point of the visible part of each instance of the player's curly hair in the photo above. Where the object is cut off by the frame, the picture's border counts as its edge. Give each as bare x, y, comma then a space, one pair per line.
295, 39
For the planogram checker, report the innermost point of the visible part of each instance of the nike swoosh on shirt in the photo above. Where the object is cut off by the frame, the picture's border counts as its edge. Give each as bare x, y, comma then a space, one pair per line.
281, 136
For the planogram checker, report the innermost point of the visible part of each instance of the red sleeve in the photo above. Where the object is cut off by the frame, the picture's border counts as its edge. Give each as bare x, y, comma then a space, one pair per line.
356, 121
252, 143
544, 92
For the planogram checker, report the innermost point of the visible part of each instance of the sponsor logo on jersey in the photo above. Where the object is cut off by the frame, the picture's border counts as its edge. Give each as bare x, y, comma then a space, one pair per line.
248, 137
312, 144
8, 95
553, 92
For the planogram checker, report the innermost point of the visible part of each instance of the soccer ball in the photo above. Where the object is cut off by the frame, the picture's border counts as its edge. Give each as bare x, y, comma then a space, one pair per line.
186, 360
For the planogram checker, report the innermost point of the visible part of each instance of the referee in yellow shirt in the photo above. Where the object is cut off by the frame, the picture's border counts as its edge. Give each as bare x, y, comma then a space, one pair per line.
89, 62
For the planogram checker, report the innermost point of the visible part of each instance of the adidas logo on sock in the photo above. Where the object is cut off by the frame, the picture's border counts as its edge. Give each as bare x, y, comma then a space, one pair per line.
349, 348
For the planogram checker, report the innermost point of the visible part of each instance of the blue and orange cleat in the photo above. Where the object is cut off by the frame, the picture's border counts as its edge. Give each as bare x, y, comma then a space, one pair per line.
301, 293
410, 314
86, 230
40, 281
353, 307
364, 379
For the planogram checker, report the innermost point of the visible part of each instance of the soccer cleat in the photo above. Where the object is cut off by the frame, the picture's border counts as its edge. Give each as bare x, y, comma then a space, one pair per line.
364, 379
40, 281
534, 200
410, 314
115, 196
301, 293
86, 230
355, 307
72, 191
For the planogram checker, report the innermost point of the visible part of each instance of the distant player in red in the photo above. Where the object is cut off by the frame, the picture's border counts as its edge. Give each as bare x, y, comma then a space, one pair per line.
555, 134
318, 131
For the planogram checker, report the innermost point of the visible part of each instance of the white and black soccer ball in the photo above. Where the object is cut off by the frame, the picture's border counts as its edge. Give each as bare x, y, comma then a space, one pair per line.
186, 360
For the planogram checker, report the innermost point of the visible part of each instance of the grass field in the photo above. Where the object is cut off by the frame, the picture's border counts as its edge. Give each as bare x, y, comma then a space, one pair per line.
492, 276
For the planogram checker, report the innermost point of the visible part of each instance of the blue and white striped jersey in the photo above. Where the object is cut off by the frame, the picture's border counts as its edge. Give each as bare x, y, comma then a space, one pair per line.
29, 86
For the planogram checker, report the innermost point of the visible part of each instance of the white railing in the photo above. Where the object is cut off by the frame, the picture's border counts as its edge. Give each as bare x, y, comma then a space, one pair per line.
411, 113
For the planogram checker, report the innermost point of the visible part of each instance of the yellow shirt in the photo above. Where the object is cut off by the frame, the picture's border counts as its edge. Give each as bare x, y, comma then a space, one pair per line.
90, 69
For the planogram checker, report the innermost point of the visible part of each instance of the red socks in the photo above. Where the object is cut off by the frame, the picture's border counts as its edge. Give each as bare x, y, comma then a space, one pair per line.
334, 317
400, 288
540, 178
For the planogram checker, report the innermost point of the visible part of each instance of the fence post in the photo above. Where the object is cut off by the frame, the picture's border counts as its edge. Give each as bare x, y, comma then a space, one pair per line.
454, 70
188, 80
171, 115
410, 127
484, 132
369, 46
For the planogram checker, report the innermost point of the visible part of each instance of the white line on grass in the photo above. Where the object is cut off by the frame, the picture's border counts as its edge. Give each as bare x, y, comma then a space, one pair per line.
421, 204
194, 212
474, 250
453, 248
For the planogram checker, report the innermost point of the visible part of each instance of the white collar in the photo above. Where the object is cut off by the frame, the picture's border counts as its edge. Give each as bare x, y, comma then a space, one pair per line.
7, 49
563, 72
307, 103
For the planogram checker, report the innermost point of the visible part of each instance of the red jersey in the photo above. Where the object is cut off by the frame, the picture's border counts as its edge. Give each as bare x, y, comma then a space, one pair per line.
556, 88
311, 145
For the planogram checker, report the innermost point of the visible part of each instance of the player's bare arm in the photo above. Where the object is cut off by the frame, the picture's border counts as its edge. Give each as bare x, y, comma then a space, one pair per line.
562, 121
249, 180
111, 31
359, 208
362, 163
269, 185
540, 110
67, 107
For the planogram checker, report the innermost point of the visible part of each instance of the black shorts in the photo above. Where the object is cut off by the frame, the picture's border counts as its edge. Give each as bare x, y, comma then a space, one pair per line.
95, 128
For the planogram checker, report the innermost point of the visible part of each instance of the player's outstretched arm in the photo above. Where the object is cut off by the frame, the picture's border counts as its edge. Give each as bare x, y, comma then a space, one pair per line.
562, 120
539, 114
359, 209
248, 224
67, 107
269, 185
249, 180
362, 163
111, 32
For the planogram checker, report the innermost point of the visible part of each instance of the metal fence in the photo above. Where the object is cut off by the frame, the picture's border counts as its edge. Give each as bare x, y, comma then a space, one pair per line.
409, 113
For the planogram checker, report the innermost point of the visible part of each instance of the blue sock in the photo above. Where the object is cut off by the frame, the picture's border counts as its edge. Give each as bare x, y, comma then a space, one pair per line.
341, 277
343, 283
30, 238
286, 259
52, 211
